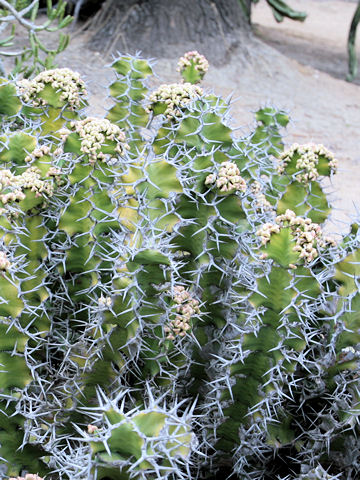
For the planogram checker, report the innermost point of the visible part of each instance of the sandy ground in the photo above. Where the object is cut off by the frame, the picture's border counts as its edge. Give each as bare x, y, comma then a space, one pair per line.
296, 66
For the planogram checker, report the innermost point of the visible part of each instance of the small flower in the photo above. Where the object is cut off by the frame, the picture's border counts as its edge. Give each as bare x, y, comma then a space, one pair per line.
92, 429
186, 308
105, 302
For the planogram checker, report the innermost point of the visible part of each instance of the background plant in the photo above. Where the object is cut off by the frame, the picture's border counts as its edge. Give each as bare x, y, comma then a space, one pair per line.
279, 8
351, 44
36, 55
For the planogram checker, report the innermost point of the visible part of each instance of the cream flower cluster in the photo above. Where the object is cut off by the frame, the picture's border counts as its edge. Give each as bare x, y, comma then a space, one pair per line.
175, 96
8, 182
265, 232
56, 173
94, 133
308, 235
308, 161
186, 307
4, 262
227, 179
60, 79
30, 179
193, 58
38, 153
28, 476
260, 200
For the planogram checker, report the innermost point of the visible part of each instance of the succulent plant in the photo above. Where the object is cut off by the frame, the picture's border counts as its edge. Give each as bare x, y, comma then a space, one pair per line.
170, 306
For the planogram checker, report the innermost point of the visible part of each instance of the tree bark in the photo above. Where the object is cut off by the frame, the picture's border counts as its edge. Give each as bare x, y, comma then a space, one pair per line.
167, 28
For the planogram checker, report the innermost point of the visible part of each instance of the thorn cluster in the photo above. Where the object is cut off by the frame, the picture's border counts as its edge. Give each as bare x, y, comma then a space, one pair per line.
308, 161
56, 173
175, 96
186, 307
63, 80
317, 473
227, 179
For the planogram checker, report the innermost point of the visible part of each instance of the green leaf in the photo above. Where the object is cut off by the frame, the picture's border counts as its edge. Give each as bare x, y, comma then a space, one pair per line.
351, 336
31, 243
118, 89
319, 208
113, 416
280, 433
52, 96
53, 120
14, 372
125, 441
162, 180
306, 283
305, 200
10, 304
281, 248
274, 291
294, 199
151, 257
20, 144
11, 337
19, 454
73, 144
347, 271
230, 208
191, 75
138, 68
80, 259
215, 131
75, 217
270, 116
188, 132
9, 101
150, 424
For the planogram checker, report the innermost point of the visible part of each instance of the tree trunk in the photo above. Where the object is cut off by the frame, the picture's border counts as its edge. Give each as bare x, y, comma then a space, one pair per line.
167, 28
